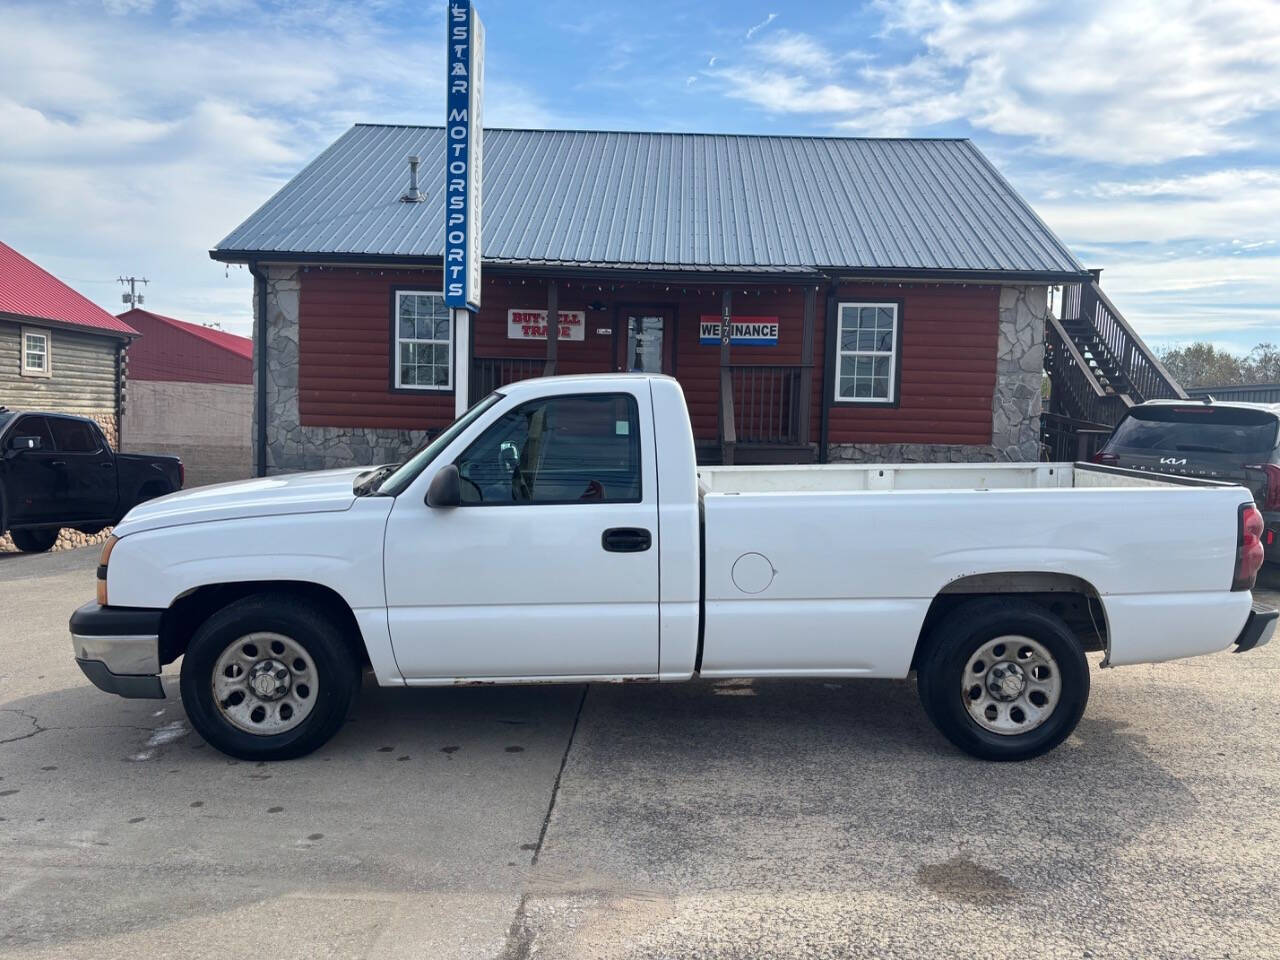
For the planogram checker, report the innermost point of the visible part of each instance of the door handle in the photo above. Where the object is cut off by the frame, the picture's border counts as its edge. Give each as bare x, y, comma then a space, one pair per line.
626, 539
57, 463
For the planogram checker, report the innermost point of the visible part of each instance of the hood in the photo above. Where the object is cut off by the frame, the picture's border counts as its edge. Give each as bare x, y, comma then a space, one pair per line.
320, 492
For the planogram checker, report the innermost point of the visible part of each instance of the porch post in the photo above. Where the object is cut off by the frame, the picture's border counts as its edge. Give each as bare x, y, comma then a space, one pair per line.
728, 431
805, 399
553, 327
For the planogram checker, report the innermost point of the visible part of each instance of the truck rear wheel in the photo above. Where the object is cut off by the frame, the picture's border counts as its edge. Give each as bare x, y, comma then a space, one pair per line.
268, 678
1004, 679
34, 541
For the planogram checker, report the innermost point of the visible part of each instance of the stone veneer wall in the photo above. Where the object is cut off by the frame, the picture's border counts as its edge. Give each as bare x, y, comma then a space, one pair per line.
290, 445
1015, 406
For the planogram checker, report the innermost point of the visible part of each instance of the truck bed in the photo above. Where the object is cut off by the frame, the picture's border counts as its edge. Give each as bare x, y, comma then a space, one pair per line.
851, 557
850, 477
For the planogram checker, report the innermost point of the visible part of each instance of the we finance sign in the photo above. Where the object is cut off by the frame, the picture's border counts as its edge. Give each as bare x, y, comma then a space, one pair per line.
743, 331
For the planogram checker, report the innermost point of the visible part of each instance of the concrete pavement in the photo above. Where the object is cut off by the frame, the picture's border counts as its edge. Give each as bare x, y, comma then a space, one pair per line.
728, 819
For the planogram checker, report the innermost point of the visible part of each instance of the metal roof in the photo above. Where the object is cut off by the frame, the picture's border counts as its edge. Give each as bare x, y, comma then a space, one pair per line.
667, 201
233, 343
29, 290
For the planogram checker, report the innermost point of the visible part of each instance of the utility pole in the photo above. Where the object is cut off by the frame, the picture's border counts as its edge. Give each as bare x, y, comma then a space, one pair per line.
132, 298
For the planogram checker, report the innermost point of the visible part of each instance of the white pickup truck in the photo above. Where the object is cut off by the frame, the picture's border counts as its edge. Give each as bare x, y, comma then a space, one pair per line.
561, 531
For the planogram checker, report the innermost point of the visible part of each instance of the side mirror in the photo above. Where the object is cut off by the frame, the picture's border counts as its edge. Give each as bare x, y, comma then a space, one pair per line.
25, 443
445, 490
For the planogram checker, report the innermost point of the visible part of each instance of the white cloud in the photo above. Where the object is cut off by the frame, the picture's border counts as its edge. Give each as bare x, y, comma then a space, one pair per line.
120, 8
1138, 82
752, 31
133, 144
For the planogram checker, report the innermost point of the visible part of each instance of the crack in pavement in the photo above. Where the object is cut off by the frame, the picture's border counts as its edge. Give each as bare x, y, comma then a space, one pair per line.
35, 722
26, 716
519, 941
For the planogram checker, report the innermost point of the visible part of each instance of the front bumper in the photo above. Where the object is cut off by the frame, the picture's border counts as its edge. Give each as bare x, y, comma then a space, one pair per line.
1258, 629
118, 648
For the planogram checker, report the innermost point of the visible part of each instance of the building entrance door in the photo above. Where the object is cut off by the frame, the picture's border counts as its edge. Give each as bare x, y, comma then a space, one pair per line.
647, 345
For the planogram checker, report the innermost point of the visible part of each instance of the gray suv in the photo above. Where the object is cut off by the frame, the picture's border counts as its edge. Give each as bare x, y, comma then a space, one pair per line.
1234, 442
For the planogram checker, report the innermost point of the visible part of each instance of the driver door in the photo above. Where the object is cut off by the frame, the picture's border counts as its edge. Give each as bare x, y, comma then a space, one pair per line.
35, 484
549, 568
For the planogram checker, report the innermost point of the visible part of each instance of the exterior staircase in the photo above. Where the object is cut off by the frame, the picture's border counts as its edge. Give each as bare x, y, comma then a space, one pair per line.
1098, 368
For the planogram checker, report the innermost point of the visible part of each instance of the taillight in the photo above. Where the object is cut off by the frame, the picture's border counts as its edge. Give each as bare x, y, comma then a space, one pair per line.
1249, 552
1103, 457
182, 474
1271, 499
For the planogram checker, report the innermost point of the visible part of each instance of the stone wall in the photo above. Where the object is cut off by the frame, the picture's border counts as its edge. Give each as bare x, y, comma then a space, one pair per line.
1015, 405
290, 445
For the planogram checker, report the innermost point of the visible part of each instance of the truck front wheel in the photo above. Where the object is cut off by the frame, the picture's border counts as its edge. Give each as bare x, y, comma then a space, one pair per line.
268, 678
1004, 679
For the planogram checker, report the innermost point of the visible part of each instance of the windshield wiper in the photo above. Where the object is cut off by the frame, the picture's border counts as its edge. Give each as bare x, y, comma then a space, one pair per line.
369, 482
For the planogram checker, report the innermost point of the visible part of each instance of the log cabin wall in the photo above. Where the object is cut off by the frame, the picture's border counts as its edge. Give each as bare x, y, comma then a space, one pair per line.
84, 378
953, 384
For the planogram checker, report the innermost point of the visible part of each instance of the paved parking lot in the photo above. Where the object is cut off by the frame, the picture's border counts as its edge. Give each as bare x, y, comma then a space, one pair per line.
725, 820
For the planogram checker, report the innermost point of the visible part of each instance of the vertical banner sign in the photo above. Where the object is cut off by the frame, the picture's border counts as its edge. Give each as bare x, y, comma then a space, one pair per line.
463, 167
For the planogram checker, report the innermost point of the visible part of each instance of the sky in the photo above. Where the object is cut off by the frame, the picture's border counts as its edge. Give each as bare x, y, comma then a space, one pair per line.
135, 134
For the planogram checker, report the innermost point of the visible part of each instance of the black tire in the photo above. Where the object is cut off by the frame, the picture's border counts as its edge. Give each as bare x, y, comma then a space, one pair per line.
310, 627
34, 541
944, 672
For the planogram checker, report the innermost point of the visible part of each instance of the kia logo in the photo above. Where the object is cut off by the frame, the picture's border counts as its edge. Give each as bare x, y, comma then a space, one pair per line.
1173, 461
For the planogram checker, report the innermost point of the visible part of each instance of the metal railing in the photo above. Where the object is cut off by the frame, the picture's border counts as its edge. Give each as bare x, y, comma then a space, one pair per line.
766, 403
1075, 390
1121, 348
1067, 439
490, 373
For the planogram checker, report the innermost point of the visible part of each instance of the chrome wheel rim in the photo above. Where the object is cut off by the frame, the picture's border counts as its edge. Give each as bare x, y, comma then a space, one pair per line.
1011, 685
265, 683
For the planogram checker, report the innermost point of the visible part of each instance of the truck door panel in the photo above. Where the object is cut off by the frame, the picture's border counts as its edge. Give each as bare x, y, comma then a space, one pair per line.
33, 482
520, 579
88, 468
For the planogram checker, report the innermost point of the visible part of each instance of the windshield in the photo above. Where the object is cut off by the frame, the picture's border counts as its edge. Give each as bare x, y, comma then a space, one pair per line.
430, 449
1202, 428
5, 417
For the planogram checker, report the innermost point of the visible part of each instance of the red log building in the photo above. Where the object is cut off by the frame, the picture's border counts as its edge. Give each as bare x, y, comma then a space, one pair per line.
888, 297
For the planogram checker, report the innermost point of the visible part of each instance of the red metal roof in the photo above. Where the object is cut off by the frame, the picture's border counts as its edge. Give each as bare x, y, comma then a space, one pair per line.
30, 291
176, 350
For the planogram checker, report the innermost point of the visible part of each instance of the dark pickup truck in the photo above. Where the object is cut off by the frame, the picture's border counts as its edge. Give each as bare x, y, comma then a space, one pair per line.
59, 471
1232, 441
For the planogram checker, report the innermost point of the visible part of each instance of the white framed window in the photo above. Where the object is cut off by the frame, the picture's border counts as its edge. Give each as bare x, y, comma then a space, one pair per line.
36, 361
423, 340
867, 353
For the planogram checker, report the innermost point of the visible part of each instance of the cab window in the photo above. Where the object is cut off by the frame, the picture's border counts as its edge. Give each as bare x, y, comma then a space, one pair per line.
73, 436
30, 426
570, 449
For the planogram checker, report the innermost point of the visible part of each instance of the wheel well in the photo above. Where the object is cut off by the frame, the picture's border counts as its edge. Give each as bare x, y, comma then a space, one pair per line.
1075, 600
189, 611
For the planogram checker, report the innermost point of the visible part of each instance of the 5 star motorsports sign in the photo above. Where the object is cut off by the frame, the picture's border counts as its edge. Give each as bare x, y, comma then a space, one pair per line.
463, 162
